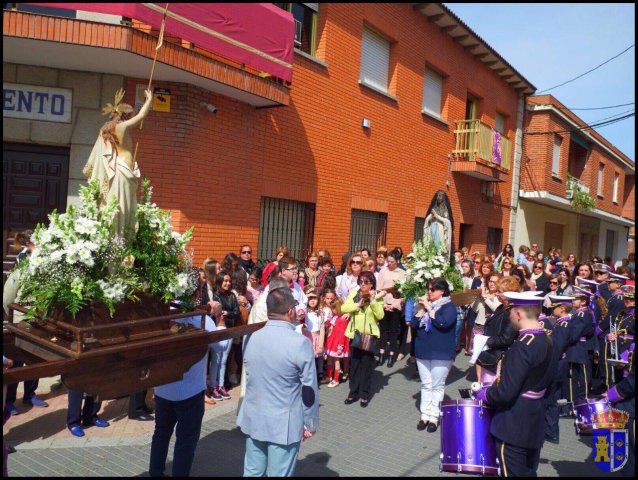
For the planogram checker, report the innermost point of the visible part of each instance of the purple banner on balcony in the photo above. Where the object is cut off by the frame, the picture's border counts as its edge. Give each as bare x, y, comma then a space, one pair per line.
496, 147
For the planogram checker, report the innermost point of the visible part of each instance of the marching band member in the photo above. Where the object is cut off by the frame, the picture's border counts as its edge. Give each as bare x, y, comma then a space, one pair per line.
625, 331
562, 337
577, 354
526, 372
622, 394
615, 305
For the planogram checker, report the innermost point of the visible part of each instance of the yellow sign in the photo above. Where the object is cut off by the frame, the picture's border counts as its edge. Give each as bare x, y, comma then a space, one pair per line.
161, 100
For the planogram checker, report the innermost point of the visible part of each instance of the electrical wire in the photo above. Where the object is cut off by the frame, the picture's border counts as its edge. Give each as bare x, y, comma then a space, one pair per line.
588, 71
604, 108
587, 127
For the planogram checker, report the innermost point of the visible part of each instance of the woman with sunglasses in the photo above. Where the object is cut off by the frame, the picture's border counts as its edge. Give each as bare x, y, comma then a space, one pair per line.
508, 251
507, 266
365, 307
347, 282
434, 347
552, 289
540, 279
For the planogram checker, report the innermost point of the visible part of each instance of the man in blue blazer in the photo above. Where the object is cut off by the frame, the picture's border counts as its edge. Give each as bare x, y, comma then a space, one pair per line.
281, 406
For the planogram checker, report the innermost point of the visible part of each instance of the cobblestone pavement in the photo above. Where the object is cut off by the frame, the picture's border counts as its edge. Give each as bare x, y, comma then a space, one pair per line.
381, 440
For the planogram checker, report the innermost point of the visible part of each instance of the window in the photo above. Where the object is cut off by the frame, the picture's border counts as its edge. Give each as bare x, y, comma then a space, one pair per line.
305, 15
419, 224
556, 156
367, 230
432, 93
614, 193
499, 123
601, 171
375, 60
494, 240
285, 222
41, 10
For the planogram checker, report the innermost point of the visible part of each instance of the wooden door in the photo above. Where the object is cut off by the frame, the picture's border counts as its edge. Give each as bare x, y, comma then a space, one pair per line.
553, 236
34, 183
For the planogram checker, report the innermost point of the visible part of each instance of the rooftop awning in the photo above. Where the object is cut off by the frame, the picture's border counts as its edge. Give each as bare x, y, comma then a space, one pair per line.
259, 35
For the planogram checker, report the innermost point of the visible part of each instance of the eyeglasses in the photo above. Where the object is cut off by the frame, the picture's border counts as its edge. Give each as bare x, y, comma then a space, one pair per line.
363, 282
356, 262
477, 263
538, 266
293, 269
599, 273
246, 252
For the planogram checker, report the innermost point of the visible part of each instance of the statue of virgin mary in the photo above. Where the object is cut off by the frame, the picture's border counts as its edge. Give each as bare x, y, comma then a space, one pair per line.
439, 224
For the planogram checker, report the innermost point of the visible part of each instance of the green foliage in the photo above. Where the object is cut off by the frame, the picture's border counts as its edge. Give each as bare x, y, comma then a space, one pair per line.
581, 200
425, 263
78, 258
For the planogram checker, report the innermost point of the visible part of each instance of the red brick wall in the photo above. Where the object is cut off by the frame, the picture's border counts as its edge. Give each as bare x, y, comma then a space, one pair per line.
212, 169
536, 171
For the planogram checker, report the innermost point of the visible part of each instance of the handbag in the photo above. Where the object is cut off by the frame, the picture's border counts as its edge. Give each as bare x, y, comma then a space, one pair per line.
365, 341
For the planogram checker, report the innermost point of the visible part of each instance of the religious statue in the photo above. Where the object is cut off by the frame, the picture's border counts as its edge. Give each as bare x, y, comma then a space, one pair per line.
438, 226
111, 162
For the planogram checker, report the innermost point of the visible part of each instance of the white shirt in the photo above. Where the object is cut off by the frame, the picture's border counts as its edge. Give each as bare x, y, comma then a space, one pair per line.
313, 321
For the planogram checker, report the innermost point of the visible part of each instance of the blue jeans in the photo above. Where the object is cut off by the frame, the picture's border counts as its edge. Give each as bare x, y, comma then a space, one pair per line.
188, 415
270, 458
217, 367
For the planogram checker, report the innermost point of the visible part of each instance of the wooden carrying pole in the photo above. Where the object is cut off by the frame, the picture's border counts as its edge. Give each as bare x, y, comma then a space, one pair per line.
160, 41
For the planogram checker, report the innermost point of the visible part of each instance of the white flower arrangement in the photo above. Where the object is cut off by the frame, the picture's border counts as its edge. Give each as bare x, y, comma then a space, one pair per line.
78, 259
425, 263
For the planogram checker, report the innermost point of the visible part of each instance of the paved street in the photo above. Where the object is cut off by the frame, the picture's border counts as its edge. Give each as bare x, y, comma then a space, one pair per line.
381, 440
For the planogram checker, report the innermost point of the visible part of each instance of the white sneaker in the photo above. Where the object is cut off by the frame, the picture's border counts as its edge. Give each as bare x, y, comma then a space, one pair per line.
333, 384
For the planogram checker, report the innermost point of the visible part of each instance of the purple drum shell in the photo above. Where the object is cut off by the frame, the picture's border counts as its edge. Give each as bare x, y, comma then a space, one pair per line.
585, 410
465, 436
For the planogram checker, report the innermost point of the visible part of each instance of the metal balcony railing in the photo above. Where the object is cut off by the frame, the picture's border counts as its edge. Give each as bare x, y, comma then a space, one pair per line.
476, 141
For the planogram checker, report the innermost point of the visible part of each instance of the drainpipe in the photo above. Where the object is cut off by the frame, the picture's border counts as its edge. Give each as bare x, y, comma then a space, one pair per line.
516, 170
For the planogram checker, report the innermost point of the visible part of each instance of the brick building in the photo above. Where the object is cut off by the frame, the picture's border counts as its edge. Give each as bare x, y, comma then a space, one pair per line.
388, 104
561, 156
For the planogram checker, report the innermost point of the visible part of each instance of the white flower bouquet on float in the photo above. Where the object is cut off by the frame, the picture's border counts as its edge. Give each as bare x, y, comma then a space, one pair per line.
425, 263
77, 258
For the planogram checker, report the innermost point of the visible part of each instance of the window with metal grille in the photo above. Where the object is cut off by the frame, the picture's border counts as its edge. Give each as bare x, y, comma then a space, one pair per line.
368, 230
285, 222
419, 224
494, 240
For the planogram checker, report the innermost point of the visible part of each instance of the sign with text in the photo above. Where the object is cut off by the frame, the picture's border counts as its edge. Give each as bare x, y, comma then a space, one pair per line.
33, 102
161, 100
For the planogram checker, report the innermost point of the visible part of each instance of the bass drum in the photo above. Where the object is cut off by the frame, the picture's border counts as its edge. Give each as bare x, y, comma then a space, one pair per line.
583, 411
466, 443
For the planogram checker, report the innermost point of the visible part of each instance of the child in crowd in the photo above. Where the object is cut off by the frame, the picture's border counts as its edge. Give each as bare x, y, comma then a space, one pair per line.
218, 358
315, 325
337, 346
254, 288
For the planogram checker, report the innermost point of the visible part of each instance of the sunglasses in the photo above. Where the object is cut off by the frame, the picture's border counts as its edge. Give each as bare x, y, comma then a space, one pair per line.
538, 266
356, 262
553, 283
432, 289
247, 252
363, 282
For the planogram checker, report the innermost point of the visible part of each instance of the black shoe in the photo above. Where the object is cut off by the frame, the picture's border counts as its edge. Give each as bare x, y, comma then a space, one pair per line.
421, 425
350, 400
391, 360
551, 439
364, 403
11, 449
432, 427
382, 359
141, 415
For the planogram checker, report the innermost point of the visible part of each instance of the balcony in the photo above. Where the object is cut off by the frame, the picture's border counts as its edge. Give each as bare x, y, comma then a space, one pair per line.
574, 184
480, 151
76, 44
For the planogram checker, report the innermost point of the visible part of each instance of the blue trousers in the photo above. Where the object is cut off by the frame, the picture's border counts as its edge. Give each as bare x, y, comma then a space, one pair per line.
270, 458
76, 412
30, 387
217, 367
187, 415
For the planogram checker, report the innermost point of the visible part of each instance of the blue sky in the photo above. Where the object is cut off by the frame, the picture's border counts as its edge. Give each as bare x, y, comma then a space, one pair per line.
552, 43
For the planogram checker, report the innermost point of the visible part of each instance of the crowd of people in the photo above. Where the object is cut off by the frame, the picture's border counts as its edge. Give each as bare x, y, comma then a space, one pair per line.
356, 320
